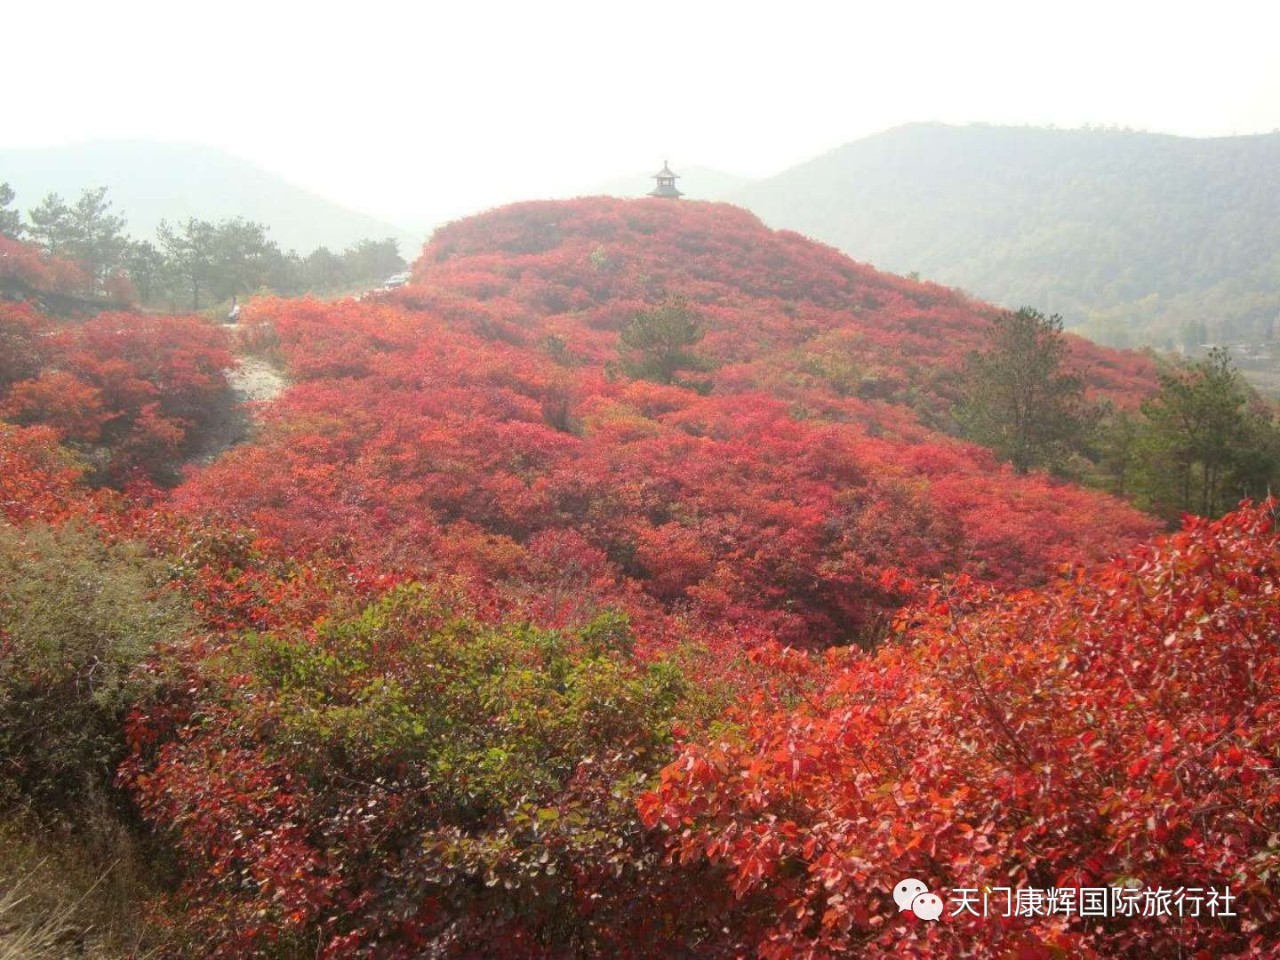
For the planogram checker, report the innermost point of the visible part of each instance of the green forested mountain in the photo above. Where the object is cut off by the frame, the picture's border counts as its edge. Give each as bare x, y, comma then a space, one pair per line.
1134, 237
151, 180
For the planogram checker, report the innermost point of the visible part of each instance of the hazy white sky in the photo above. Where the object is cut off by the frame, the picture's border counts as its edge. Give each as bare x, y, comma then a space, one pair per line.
422, 111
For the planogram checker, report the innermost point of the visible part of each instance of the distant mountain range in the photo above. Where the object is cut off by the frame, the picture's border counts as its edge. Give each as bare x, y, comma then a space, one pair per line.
151, 180
1134, 237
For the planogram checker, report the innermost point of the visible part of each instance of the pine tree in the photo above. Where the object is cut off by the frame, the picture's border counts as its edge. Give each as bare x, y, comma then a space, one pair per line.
1207, 443
659, 342
10, 220
95, 236
1018, 399
50, 223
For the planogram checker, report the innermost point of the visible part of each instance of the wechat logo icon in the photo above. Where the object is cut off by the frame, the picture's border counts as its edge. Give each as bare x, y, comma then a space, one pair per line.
913, 895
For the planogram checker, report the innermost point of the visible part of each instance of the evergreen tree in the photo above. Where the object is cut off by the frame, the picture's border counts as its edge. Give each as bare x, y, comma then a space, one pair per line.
10, 220
147, 269
324, 270
659, 343
51, 224
373, 259
285, 274
1116, 451
1018, 399
243, 257
95, 236
1207, 443
190, 251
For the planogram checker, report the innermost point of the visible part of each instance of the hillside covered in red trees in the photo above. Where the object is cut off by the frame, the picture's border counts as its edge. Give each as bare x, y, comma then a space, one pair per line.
512, 633
477, 424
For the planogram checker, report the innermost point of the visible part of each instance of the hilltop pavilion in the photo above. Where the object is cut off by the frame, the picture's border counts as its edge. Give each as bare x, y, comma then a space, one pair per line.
666, 184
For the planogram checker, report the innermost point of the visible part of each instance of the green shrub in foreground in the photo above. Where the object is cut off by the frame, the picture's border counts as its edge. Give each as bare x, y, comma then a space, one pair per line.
77, 616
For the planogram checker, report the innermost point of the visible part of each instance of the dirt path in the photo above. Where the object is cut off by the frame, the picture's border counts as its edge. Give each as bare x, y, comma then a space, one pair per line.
252, 380
255, 379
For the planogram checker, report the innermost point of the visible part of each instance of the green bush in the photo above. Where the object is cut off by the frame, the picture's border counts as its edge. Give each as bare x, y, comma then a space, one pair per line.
76, 618
410, 781
489, 716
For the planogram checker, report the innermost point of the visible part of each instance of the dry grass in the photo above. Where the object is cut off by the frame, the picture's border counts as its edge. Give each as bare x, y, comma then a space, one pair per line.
34, 934
65, 896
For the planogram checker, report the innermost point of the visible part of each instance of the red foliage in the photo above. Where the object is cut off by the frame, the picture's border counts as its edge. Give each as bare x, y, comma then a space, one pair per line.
26, 265
468, 432
119, 289
1118, 725
801, 499
241, 813
22, 348
764, 292
59, 400
140, 389
38, 480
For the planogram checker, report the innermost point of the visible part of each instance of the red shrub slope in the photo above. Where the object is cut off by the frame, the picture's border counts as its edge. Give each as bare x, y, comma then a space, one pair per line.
469, 425
134, 392
1116, 729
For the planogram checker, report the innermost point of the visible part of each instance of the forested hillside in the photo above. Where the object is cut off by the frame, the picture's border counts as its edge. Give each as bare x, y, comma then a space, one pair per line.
613, 590
193, 263
1137, 238
156, 181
